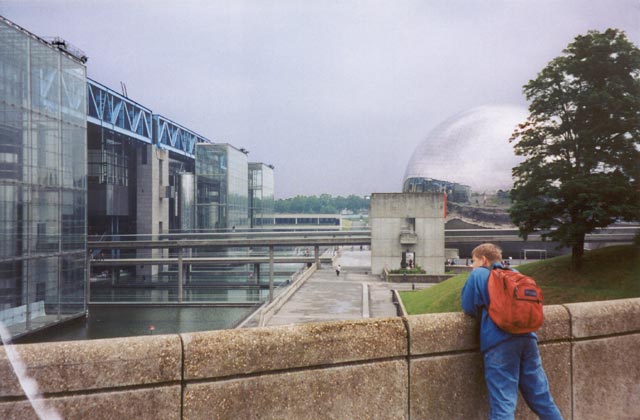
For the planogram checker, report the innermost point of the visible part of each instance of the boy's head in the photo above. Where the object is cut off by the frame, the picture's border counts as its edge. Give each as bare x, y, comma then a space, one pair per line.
486, 254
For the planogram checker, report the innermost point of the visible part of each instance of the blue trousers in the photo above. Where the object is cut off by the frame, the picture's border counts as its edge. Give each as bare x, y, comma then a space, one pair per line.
515, 364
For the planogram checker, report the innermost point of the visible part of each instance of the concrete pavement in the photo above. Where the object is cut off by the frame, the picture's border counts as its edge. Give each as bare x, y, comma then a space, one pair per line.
355, 294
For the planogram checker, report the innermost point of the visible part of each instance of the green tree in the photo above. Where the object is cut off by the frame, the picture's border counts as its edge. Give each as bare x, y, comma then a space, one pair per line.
581, 142
324, 203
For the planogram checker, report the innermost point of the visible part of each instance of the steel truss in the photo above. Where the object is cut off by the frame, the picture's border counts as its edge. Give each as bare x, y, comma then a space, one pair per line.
109, 109
172, 136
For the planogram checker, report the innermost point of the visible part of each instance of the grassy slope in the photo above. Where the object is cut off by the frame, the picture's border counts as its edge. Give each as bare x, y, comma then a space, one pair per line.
608, 273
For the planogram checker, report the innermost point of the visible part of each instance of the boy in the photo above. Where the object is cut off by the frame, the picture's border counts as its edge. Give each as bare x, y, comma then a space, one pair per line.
511, 361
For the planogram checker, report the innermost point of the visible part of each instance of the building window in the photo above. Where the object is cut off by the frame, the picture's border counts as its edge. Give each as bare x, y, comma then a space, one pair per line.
143, 154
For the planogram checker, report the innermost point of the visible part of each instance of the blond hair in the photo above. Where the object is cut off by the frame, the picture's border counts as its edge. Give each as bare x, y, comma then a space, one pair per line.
492, 252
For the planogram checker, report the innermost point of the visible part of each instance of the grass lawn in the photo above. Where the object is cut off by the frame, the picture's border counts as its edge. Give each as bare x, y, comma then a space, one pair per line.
608, 273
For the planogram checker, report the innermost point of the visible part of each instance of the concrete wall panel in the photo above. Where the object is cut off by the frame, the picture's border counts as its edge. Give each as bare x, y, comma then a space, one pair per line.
368, 391
428, 366
452, 386
94, 364
606, 378
448, 387
232, 352
392, 204
592, 319
557, 324
140, 404
440, 333
556, 361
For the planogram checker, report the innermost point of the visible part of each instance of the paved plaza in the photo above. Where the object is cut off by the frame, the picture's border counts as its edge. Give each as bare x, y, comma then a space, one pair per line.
355, 294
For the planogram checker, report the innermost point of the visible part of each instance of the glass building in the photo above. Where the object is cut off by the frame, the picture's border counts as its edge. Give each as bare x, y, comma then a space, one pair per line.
222, 187
261, 194
118, 130
42, 181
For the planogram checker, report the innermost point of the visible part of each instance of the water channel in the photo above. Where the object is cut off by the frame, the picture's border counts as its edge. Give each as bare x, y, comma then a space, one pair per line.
133, 308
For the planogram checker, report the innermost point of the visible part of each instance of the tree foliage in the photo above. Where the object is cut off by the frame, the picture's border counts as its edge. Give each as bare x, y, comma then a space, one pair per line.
324, 203
581, 142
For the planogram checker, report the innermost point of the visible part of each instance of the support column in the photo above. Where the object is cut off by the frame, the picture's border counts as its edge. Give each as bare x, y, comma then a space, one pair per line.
87, 287
316, 250
271, 274
256, 272
180, 275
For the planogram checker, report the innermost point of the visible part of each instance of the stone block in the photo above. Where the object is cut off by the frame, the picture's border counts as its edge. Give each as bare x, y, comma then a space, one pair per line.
448, 387
233, 352
367, 391
453, 387
590, 319
557, 324
140, 404
444, 332
556, 361
94, 364
606, 378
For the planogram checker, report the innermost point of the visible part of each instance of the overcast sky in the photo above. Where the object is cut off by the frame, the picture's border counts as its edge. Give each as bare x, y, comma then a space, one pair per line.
335, 94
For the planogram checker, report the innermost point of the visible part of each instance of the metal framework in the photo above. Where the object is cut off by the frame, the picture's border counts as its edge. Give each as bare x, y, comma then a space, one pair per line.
109, 109
174, 137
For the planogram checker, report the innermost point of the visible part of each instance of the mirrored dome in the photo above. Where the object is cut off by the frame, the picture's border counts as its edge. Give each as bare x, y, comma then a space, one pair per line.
471, 148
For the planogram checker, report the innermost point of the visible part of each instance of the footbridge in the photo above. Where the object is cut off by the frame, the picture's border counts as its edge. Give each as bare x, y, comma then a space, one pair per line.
262, 246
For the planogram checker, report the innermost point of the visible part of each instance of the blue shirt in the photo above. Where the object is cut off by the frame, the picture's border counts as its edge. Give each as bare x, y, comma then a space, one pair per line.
475, 300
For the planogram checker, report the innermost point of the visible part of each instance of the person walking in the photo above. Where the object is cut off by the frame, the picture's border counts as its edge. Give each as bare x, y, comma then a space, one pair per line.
338, 269
511, 361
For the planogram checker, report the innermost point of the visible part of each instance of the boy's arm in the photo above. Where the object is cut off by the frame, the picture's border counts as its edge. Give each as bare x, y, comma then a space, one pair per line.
468, 296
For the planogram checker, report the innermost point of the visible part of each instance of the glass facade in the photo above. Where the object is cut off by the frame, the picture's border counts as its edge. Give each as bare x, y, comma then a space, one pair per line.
222, 187
261, 194
111, 181
455, 192
42, 182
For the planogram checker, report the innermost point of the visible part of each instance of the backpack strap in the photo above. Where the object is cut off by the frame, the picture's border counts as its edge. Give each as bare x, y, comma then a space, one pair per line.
479, 315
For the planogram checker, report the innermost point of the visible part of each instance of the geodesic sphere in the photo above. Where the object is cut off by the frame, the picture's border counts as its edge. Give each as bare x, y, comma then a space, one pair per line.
471, 148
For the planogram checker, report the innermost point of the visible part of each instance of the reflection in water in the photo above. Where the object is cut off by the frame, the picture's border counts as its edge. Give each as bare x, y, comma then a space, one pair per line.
121, 321
129, 316
170, 294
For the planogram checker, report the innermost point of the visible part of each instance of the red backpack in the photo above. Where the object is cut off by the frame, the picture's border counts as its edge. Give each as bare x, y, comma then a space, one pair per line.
515, 301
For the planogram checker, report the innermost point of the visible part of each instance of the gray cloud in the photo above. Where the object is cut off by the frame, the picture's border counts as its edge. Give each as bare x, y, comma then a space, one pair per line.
336, 95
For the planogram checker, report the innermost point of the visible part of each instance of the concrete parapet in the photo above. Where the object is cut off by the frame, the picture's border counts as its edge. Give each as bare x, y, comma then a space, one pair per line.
606, 360
362, 391
592, 319
557, 325
440, 333
606, 378
415, 367
97, 379
70, 366
150, 403
225, 353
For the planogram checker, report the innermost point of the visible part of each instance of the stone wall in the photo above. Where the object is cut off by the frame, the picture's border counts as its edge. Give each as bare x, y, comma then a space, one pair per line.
418, 367
414, 278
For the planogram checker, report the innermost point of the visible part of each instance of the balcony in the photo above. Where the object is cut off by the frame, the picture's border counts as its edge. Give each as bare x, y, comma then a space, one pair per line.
408, 237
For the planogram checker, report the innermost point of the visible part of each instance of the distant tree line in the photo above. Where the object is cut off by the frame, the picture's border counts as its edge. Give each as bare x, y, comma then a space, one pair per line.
325, 203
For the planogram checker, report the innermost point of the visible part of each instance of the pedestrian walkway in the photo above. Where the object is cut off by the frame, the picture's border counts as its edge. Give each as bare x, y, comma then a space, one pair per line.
355, 294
